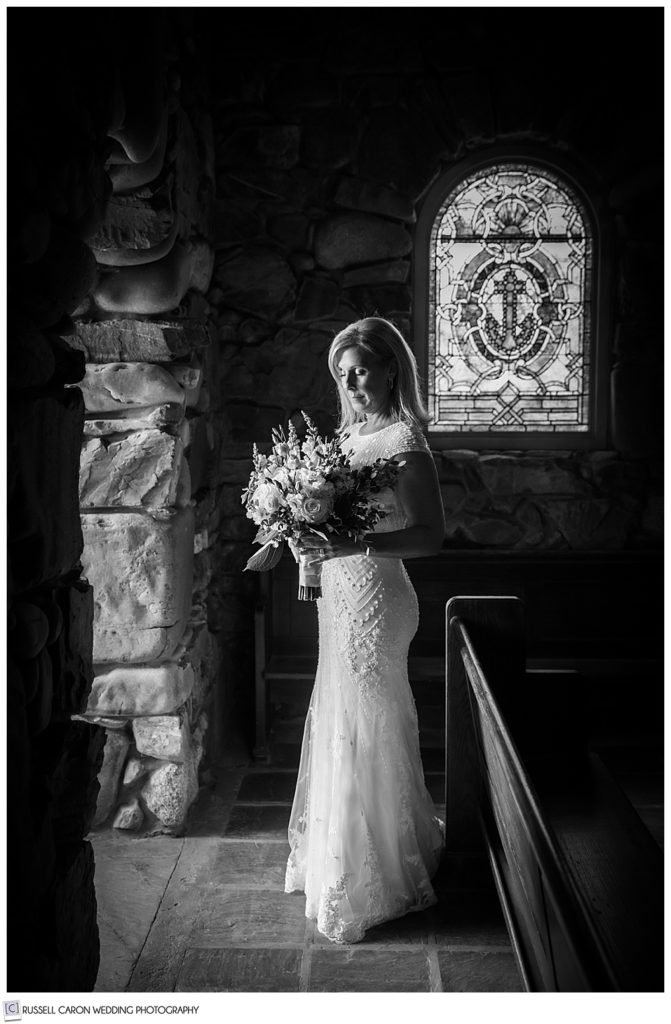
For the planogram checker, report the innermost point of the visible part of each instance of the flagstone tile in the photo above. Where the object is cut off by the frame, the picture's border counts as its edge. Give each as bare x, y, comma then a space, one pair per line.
130, 879
240, 970
367, 970
253, 865
258, 822
479, 971
263, 918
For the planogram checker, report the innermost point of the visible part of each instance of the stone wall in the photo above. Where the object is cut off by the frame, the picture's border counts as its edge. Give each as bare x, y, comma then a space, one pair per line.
325, 149
144, 333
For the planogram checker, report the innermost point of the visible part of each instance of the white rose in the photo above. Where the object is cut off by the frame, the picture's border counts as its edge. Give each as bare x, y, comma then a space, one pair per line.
267, 498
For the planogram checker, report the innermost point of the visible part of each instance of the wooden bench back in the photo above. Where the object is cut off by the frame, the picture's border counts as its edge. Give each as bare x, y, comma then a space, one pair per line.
568, 898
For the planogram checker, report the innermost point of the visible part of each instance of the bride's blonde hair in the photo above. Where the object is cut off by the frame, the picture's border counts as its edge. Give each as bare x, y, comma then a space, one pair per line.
385, 343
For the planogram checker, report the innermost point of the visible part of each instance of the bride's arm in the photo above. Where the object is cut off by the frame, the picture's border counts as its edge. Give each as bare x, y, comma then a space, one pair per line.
418, 492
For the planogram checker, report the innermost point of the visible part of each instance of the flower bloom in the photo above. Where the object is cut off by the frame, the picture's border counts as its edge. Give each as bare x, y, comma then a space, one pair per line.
267, 498
316, 510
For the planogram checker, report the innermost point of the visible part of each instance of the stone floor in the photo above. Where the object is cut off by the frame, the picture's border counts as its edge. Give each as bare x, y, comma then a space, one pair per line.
207, 912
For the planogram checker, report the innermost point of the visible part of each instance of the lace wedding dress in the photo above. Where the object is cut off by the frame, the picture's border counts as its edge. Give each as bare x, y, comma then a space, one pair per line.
365, 839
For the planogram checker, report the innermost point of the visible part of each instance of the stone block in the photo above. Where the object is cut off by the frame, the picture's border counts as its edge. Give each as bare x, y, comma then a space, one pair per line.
329, 139
135, 769
300, 188
370, 197
233, 224
129, 816
150, 689
394, 298
192, 160
576, 521
114, 387
301, 263
117, 744
257, 279
156, 417
190, 377
165, 737
138, 227
141, 570
44, 441
104, 722
529, 473
484, 531
141, 468
453, 495
198, 651
127, 177
149, 289
401, 149
171, 789
151, 341
290, 229
345, 239
260, 145
317, 298
392, 272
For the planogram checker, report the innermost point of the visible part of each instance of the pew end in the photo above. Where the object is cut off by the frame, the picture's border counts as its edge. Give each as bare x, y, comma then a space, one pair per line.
579, 877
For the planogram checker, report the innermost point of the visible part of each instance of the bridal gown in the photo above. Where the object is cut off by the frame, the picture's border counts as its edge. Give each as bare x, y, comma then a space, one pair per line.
364, 836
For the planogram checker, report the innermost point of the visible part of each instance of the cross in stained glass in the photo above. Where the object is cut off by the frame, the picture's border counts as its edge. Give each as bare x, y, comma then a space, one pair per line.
509, 287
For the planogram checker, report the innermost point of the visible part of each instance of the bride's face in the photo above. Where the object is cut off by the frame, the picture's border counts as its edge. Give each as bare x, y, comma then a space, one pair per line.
365, 381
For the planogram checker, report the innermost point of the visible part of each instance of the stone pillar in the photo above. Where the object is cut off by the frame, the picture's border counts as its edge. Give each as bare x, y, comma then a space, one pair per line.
144, 333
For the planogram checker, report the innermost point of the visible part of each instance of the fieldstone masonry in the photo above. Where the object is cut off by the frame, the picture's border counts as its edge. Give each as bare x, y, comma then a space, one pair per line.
146, 397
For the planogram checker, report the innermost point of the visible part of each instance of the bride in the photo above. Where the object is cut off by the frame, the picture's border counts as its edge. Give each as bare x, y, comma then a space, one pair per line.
365, 840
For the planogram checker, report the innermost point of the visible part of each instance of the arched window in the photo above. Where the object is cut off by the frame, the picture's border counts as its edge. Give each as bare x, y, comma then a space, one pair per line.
509, 318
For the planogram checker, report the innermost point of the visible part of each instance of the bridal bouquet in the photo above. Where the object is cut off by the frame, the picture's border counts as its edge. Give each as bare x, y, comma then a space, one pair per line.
308, 487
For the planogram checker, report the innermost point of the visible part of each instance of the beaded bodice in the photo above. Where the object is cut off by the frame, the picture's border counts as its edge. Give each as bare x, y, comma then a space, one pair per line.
396, 439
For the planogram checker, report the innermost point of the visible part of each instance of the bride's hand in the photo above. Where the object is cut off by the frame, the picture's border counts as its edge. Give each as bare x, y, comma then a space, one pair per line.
320, 550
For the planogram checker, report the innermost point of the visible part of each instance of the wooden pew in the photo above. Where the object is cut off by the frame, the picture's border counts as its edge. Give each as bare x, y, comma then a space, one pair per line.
579, 877
579, 619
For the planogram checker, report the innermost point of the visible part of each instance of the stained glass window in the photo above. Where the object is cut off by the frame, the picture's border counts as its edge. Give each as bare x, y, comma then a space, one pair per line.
510, 305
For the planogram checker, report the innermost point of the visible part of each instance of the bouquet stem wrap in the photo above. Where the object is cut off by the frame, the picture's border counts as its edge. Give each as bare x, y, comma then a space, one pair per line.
309, 579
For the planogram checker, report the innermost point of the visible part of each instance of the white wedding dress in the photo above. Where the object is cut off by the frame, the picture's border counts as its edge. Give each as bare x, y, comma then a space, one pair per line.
365, 839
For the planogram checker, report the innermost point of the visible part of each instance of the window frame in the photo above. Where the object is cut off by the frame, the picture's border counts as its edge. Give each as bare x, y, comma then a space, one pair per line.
580, 181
